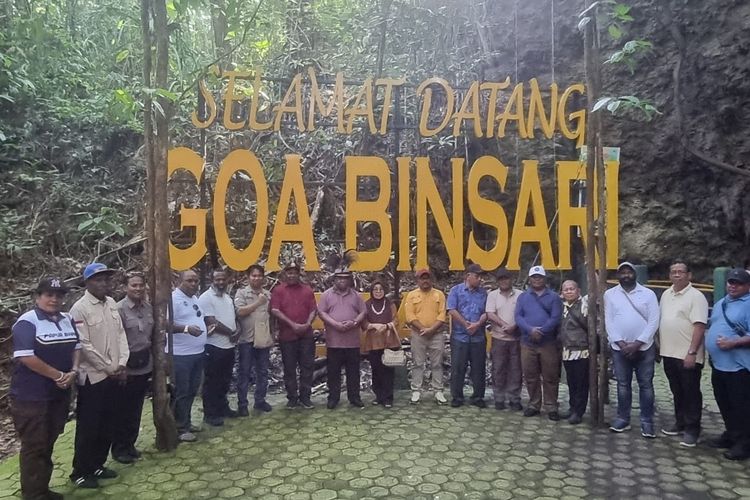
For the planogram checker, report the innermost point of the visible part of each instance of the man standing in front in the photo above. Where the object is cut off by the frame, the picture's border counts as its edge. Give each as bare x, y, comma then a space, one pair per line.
104, 355
684, 314
221, 321
506, 346
293, 304
188, 346
538, 314
466, 304
342, 310
631, 315
424, 309
255, 340
728, 344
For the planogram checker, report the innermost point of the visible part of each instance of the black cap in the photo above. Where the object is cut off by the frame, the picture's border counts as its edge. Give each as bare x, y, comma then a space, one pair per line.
51, 284
502, 273
738, 274
474, 268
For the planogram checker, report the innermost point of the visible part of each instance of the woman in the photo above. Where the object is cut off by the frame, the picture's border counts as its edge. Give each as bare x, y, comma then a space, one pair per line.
138, 320
46, 351
380, 334
574, 335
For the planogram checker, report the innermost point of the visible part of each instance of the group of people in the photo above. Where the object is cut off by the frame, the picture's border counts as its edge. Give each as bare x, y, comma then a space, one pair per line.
104, 347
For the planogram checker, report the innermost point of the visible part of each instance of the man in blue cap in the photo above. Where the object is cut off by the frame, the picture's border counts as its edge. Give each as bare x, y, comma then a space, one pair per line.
104, 355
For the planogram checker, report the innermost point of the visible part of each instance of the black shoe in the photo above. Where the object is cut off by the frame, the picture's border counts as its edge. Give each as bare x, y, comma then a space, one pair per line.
455, 403
262, 406
53, 495
214, 421
292, 403
479, 403
231, 414
105, 473
332, 404
554, 416
357, 403
123, 458
242, 411
531, 412
307, 404
134, 453
500, 406
575, 419
86, 482
719, 442
515, 406
672, 431
737, 452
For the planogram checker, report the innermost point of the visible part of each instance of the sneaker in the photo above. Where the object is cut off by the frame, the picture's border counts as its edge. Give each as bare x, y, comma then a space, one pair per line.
719, 442
515, 406
479, 403
105, 473
134, 453
123, 459
388, 405
456, 403
214, 421
531, 412
440, 398
689, 440
196, 428
554, 416
243, 411
575, 419
53, 495
737, 452
357, 403
672, 431
306, 404
375, 402
647, 431
187, 437
415, 395
619, 426
500, 405
86, 482
263, 406
292, 403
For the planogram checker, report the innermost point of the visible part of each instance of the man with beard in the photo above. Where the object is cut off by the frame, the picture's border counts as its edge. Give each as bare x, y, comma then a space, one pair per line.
343, 311
631, 314
221, 321
293, 304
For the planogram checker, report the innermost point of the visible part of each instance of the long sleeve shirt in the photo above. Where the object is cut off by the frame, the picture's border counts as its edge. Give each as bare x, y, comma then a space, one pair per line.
542, 311
631, 320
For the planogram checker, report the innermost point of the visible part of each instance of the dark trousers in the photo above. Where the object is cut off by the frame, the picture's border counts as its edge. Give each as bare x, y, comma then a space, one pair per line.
686, 390
218, 374
732, 394
95, 418
506, 370
128, 410
188, 370
252, 360
347, 358
38, 424
577, 374
464, 354
382, 377
298, 353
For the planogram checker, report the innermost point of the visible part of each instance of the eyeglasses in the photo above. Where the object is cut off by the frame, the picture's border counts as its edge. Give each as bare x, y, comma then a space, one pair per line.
197, 311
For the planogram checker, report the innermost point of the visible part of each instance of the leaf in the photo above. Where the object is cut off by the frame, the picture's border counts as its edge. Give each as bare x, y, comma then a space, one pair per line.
122, 55
604, 101
613, 105
614, 31
85, 224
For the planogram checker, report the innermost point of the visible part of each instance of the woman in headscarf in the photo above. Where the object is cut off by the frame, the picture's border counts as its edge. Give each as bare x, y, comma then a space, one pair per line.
381, 332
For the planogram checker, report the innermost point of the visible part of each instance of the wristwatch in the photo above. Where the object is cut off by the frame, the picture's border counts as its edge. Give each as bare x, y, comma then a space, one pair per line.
186, 329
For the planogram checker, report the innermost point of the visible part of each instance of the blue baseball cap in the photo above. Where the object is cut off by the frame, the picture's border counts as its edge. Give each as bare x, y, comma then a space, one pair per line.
95, 268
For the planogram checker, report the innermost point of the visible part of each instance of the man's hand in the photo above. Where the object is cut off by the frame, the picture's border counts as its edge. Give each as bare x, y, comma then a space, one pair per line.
536, 334
473, 327
194, 330
631, 349
689, 362
68, 380
724, 343
261, 300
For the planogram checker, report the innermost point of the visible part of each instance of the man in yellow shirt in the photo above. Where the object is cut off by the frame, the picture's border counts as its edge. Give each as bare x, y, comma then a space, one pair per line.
425, 315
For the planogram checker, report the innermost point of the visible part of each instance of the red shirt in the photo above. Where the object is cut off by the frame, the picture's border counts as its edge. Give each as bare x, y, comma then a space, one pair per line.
297, 303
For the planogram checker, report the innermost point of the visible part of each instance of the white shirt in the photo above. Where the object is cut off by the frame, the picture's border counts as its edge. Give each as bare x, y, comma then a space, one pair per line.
220, 307
187, 311
631, 322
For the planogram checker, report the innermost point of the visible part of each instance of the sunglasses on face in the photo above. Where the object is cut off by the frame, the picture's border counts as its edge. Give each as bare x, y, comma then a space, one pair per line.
197, 311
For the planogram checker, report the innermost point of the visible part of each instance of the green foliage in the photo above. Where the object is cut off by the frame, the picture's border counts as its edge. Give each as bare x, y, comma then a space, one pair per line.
629, 53
621, 104
105, 223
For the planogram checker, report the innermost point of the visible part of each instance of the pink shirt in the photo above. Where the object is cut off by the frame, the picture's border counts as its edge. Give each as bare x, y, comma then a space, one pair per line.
342, 307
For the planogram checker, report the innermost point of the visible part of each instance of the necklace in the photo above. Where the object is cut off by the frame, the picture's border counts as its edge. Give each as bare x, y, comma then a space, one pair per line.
372, 306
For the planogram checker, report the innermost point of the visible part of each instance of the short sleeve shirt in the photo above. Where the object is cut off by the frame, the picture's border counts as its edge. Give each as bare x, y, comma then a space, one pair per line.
220, 307
342, 307
738, 312
138, 320
679, 311
471, 305
296, 303
505, 307
426, 307
187, 311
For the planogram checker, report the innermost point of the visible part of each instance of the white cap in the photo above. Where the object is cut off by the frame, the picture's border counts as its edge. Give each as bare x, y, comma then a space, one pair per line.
537, 270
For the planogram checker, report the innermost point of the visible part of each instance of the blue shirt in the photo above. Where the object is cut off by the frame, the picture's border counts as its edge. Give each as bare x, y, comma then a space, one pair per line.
738, 311
538, 311
470, 304
51, 339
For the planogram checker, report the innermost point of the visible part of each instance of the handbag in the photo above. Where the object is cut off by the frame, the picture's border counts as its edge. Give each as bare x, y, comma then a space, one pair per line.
394, 358
139, 359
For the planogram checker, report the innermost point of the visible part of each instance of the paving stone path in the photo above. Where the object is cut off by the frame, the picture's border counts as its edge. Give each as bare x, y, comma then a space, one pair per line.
416, 452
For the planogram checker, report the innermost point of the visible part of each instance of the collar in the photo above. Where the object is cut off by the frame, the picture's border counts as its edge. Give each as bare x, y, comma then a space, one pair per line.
470, 290
336, 291
180, 292
47, 316
511, 294
738, 299
566, 304
132, 305
544, 292
93, 299
216, 292
638, 288
681, 292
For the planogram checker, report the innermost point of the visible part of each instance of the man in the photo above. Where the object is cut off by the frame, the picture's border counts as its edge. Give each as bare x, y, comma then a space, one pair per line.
631, 316
574, 338
189, 345
342, 310
424, 309
293, 304
104, 355
506, 346
137, 317
255, 340
220, 318
538, 314
466, 304
684, 314
728, 344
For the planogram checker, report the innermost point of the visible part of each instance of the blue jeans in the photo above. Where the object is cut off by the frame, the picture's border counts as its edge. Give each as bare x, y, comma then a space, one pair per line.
187, 378
643, 367
252, 360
